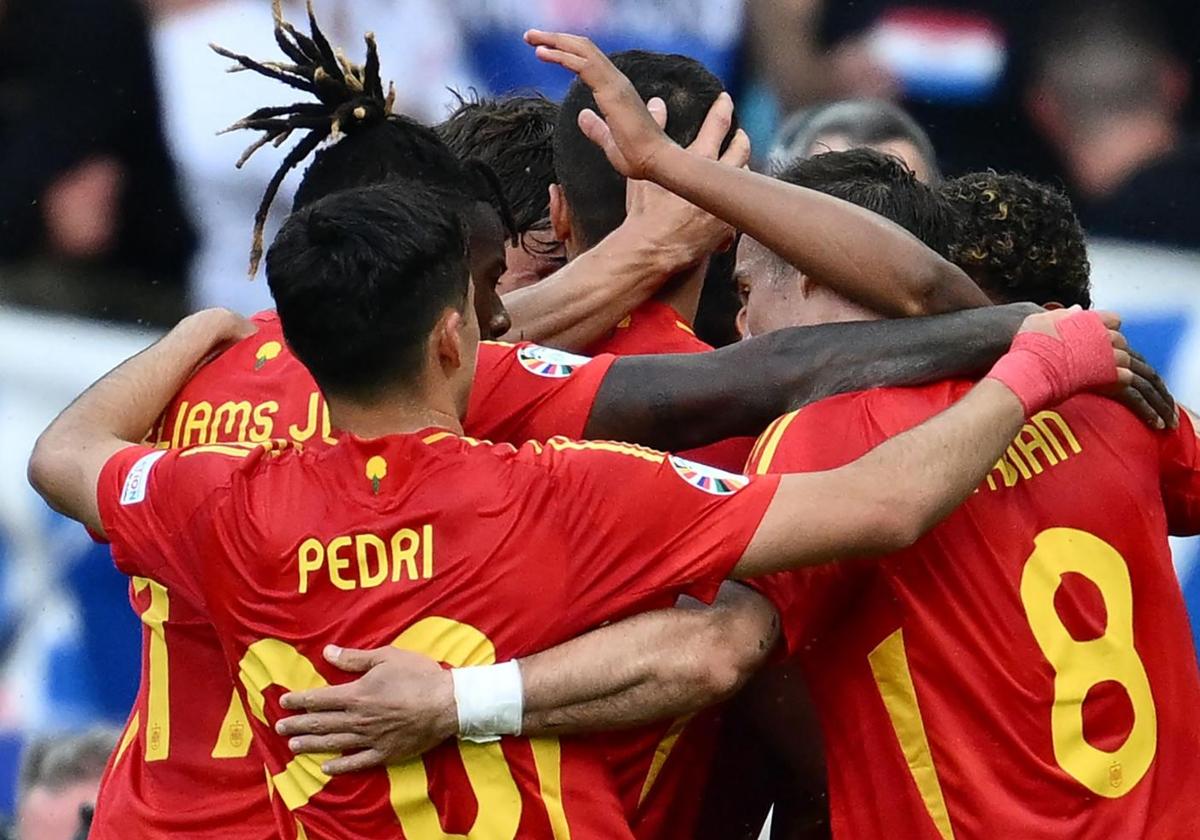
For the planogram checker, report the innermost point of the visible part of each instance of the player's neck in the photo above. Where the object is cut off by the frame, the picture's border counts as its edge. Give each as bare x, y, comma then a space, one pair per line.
399, 415
682, 293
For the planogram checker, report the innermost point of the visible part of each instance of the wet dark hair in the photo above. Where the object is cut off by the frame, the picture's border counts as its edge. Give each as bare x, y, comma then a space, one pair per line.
596, 191
361, 277
882, 184
372, 144
514, 135
1019, 239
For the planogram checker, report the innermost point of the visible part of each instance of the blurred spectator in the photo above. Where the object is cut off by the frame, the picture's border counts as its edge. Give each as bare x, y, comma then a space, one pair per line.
90, 218
955, 65
708, 30
853, 124
419, 50
59, 780
1109, 94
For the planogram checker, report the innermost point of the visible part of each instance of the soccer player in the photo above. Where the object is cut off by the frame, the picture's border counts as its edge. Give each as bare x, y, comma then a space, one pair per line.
514, 135
203, 780
408, 528
1036, 689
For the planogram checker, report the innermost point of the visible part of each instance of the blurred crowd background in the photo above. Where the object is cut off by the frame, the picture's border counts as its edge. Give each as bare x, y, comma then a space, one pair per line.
121, 210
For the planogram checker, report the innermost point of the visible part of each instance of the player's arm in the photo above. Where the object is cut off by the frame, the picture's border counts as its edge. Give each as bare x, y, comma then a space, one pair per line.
857, 253
655, 665
117, 410
680, 402
889, 498
661, 236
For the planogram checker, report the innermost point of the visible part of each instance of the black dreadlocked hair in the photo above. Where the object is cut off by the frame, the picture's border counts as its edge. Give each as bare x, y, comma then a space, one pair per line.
351, 104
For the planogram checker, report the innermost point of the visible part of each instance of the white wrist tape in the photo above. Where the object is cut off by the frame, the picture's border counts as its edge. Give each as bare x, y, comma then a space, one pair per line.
491, 701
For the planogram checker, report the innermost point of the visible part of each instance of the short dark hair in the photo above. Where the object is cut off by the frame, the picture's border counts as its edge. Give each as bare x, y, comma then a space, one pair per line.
882, 184
1019, 239
360, 278
514, 136
372, 145
864, 122
595, 191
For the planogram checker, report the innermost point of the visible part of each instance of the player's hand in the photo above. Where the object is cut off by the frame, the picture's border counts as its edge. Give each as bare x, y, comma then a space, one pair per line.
631, 139
402, 706
1084, 366
674, 226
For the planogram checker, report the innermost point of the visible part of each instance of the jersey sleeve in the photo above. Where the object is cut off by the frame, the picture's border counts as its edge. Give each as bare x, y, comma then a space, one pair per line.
1179, 476
527, 392
637, 523
149, 500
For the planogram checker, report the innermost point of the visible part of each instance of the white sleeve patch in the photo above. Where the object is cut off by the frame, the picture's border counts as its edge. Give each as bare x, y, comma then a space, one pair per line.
709, 479
548, 362
138, 478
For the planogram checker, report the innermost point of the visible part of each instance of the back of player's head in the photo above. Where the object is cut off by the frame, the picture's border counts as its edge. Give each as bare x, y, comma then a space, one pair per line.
514, 136
592, 188
882, 184
360, 279
855, 123
371, 144
1019, 239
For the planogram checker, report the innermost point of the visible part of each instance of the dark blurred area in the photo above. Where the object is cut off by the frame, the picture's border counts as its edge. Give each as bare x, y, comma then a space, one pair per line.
91, 220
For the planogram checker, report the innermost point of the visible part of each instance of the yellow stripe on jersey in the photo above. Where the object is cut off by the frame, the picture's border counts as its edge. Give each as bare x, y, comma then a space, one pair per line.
772, 443
889, 664
216, 449
499, 343
235, 735
756, 450
437, 436
661, 753
685, 328
560, 444
547, 758
131, 732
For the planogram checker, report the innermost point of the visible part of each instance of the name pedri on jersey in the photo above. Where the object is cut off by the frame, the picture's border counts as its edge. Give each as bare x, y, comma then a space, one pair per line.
465, 551
201, 778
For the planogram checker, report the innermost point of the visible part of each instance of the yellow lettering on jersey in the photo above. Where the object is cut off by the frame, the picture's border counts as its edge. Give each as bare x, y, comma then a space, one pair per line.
270, 662
326, 428
228, 416
235, 736
310, 428
338, 563
199, 418
1043, 443
264, 420
889, 664
369, 543
183, 410
367, 560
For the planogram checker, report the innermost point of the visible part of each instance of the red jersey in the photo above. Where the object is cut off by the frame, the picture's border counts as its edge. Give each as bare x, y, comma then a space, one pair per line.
661, 767
655, 329
1025, 670
201, 779
467, 552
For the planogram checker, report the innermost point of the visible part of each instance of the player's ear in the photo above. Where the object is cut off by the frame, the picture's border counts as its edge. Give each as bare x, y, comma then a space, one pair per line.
450, 340
741, 321
560, 218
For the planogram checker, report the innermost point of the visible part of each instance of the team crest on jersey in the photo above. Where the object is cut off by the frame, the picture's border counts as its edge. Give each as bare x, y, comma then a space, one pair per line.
550, 363
709, 479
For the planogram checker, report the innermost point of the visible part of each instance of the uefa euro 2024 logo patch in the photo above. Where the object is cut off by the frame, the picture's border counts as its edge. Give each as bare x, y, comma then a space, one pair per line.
709, 479
552, 364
